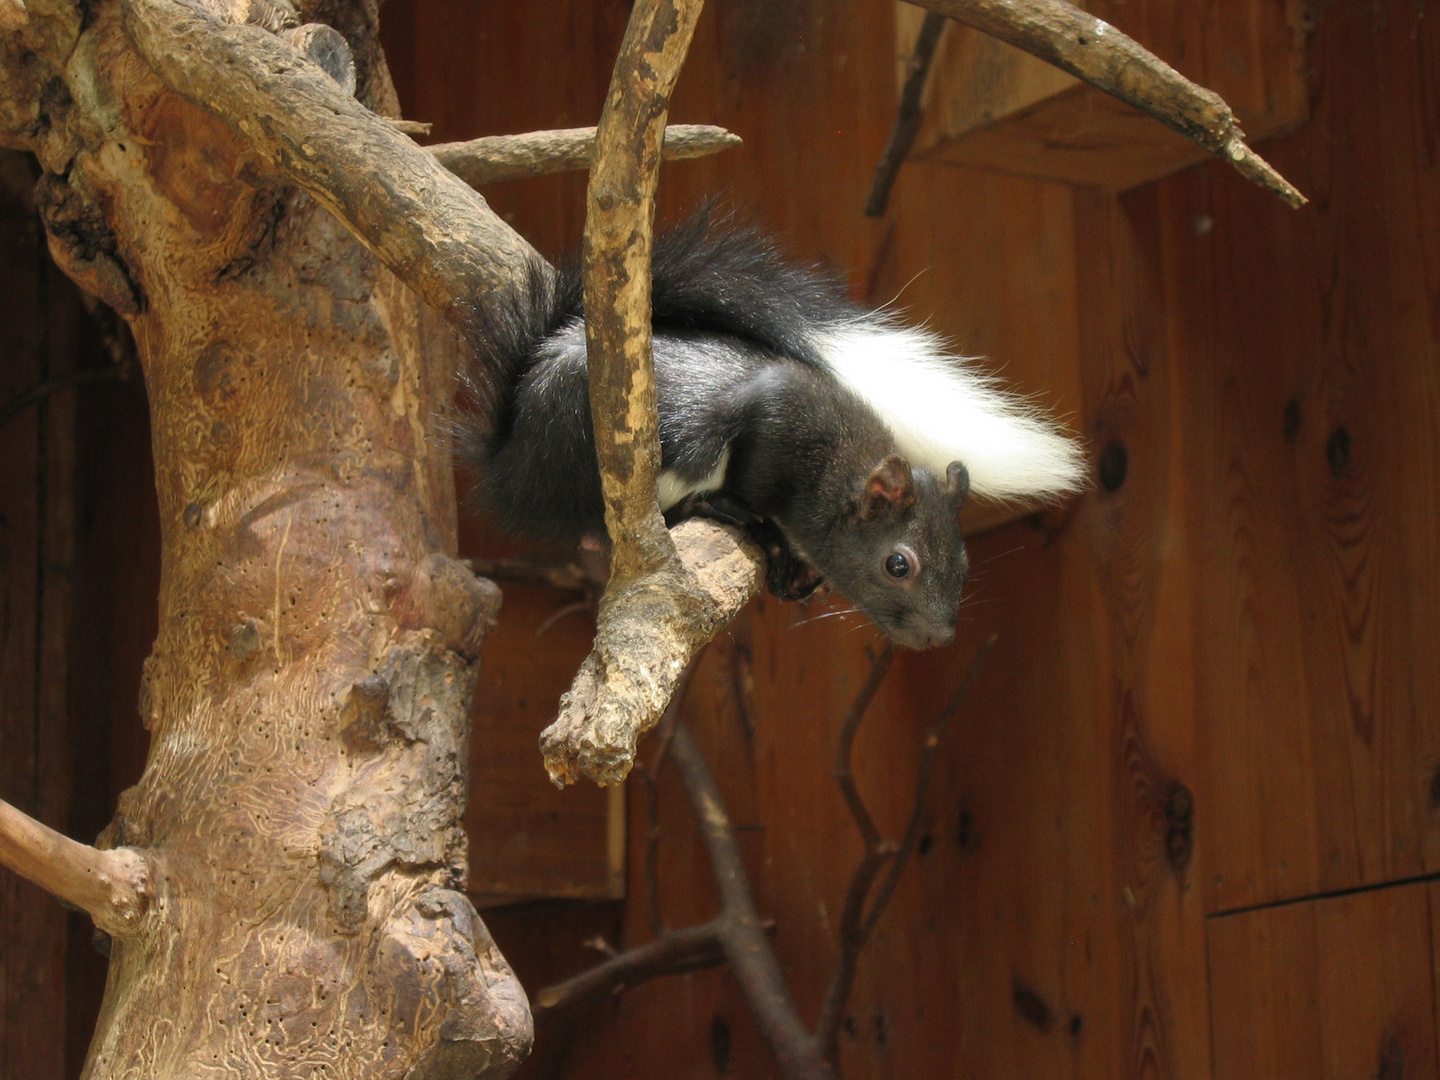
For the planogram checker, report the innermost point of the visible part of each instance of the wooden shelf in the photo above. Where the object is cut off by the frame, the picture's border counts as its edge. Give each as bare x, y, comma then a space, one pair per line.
992, 106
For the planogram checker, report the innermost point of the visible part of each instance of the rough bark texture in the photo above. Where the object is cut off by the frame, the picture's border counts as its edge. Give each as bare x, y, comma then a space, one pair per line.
539, 153
308, 694
649, 632
656, 612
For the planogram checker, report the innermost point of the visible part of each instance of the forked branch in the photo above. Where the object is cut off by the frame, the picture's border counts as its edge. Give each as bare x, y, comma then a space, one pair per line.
1091, 49
113, 887
861, 911
737, 934
441, 238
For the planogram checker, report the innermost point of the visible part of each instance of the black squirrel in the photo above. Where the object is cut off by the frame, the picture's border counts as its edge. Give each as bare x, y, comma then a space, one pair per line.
844, 440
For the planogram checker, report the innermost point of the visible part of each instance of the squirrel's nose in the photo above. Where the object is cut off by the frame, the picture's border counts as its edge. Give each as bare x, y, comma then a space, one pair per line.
935, 638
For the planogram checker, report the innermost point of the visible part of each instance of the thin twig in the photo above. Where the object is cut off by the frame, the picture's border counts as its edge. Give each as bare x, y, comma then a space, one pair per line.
18, 404
558, 1008
856, 922
746, 947
915, 828
564, 576
1091, 49
907, 117
665, 732
541, 153
112, 886
842, 771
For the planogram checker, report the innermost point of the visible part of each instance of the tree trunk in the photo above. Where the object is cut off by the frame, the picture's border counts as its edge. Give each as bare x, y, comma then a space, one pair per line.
308, 694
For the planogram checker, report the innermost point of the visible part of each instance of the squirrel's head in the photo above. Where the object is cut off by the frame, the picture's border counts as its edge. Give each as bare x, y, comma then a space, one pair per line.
899, 556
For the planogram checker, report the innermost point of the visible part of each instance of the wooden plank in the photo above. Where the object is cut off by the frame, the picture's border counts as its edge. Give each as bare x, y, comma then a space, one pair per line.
529, 839
32, 773
1326, 989
993, 106
1308, 346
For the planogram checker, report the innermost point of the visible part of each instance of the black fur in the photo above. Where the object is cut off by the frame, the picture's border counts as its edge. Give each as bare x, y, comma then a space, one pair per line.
736, 369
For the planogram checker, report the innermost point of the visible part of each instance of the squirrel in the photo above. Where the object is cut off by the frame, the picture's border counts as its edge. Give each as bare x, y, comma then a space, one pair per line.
844, 441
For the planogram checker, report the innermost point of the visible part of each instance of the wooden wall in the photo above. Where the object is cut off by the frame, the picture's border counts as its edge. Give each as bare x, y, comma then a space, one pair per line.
1186, 825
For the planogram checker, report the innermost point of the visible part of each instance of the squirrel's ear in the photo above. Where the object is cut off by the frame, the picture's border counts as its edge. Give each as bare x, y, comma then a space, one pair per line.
957, 483
890, 489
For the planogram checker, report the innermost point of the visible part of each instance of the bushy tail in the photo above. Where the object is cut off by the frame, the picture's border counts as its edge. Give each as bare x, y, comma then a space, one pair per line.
514, 324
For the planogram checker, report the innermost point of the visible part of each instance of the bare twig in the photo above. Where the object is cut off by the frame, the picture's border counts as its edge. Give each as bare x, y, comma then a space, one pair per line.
540, 153
564, 576
558, 1008
907, 117
413, 128
1091, 49
650, 775
746, 946
738, 933
20, 402
857, 922
114, 887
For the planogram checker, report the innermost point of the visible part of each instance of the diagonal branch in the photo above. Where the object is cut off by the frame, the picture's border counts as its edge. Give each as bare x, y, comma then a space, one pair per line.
540, 153
112, 886
434, 232
746, 947
907, 116
1091, 49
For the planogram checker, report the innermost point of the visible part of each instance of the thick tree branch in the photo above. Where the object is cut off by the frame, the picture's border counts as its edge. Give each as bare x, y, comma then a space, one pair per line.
540, 153
659, 608
1091, 49
619, 231
648, 634
114, 887
426, 225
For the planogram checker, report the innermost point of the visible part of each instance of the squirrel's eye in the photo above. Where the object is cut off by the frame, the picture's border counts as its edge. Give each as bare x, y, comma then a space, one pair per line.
897, 565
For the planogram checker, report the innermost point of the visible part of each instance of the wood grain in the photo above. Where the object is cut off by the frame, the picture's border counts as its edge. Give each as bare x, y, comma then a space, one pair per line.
1311, 413
33, 758
1326, 989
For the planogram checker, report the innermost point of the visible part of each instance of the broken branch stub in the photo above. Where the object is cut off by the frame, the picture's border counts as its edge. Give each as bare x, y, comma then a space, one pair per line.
648, 633
1091, 49
541, 153
112, 887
